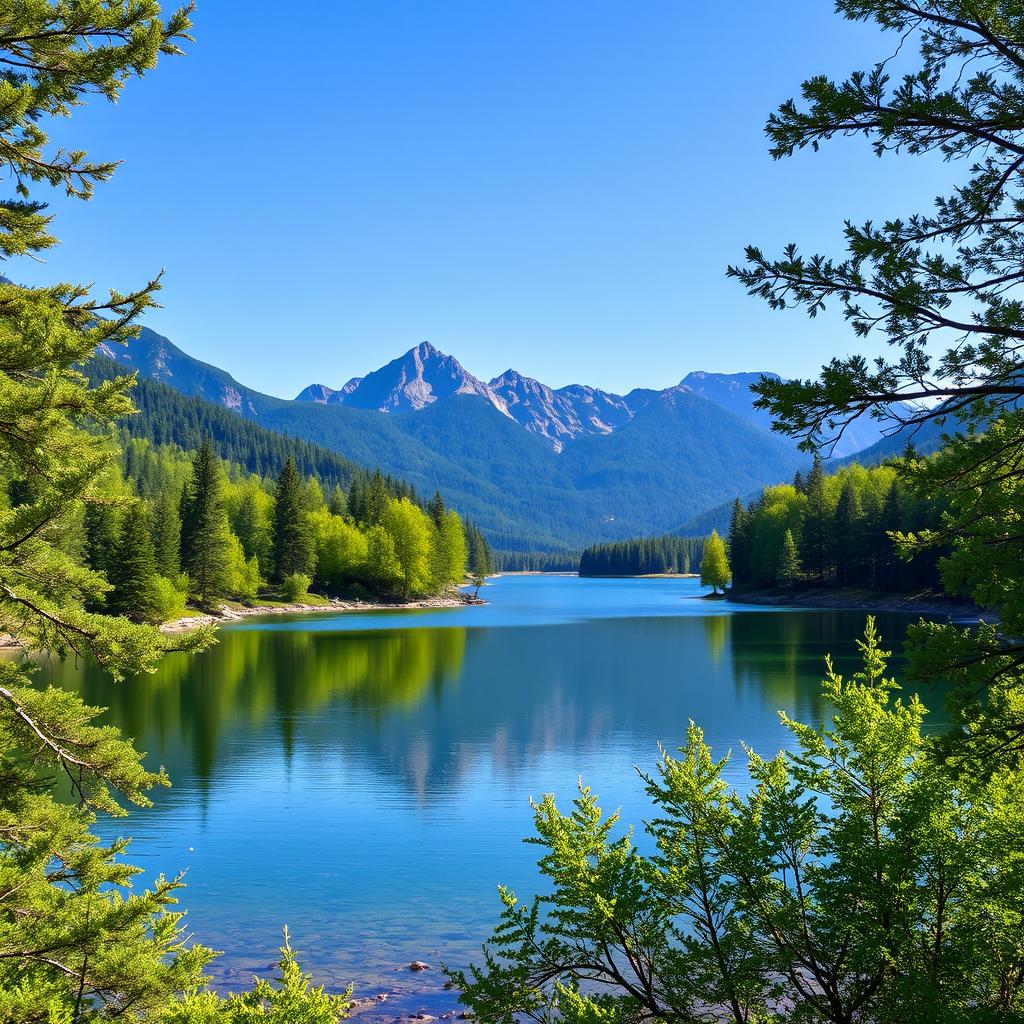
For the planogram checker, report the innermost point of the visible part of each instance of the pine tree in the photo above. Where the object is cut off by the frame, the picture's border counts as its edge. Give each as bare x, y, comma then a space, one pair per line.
293, 541
76, 944
134, 571
100, 523
739, 543
338, 505
817, 524
435, 508
789, 563
167, 536
205, 536
714, 566
848, 535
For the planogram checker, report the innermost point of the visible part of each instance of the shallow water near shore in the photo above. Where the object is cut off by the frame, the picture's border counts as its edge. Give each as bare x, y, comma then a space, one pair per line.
364, 778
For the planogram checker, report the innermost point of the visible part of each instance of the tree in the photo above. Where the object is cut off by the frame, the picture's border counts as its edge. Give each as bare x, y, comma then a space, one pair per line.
853, 879
739, 543
134, 571
714, 566
293, 540
76, 943
447, 550
817, 526
849, 534
944, 287
205, 536
294, 1000
409, 528
789, 563
338, 504
435, 508
167, 535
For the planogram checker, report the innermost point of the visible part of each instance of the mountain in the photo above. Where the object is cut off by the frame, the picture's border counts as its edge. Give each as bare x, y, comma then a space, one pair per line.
732, 391
413, 381
316, 393
640, 467
562, 415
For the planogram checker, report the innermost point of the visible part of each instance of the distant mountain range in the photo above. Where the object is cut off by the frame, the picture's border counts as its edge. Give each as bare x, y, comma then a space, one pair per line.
535, 467
425, 375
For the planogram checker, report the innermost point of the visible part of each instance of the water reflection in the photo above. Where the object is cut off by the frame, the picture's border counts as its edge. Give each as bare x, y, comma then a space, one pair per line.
365, 780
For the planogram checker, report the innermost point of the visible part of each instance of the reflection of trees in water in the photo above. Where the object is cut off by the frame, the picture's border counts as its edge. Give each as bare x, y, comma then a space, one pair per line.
253, 677
782, 655
716, 629
387, 698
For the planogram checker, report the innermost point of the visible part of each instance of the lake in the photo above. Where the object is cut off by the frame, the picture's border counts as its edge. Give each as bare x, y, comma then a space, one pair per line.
364, 778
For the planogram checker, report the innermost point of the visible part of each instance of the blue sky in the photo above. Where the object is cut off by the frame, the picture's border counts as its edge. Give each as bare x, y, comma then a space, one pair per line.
555, 187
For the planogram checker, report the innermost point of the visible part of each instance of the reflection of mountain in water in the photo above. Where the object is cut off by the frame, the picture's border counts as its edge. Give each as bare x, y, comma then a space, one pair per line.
430, 706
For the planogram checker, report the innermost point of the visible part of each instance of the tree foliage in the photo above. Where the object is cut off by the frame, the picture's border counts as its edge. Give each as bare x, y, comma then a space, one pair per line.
715, 571
855, 878
944, 287
643, 556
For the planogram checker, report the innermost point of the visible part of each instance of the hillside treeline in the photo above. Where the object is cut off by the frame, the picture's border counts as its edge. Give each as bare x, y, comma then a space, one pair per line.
166, 526
643, 556
841, 528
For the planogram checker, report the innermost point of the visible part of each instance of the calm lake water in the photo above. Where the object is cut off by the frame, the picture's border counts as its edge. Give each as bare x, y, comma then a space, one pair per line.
364, 778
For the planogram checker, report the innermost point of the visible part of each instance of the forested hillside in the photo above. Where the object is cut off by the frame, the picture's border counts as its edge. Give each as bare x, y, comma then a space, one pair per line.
834, 530
643, 556
679, 455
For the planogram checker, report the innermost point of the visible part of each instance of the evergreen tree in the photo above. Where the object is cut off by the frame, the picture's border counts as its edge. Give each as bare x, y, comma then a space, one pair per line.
435, 508
789, 563
134, 571
714, 566
100, 525
76, 944
739, 543
338, 505
294, 551
849, 534
817, 528
205, 536
167, 536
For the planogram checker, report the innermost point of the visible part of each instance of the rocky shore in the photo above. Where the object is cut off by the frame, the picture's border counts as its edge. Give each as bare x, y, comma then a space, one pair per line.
230, 613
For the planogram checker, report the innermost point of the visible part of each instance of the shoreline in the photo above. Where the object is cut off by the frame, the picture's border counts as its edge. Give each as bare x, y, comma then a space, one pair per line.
331, 606
921, 603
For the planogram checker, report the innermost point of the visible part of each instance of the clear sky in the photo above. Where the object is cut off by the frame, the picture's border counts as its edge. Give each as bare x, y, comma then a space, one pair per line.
556, 187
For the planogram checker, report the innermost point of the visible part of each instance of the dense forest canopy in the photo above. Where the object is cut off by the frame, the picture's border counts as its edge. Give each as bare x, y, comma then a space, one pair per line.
842, 531
643, 556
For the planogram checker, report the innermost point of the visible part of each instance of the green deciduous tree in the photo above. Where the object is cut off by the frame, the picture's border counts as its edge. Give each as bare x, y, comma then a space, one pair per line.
714, 566
855, 879
410, 530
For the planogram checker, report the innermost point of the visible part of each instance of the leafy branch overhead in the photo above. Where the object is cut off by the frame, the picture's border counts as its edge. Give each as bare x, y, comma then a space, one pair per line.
943, 285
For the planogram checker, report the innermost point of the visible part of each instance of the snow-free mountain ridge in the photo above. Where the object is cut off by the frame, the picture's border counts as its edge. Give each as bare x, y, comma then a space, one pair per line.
425, 375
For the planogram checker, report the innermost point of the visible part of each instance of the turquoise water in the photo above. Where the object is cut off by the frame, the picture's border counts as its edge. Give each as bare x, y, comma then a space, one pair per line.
364, 778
